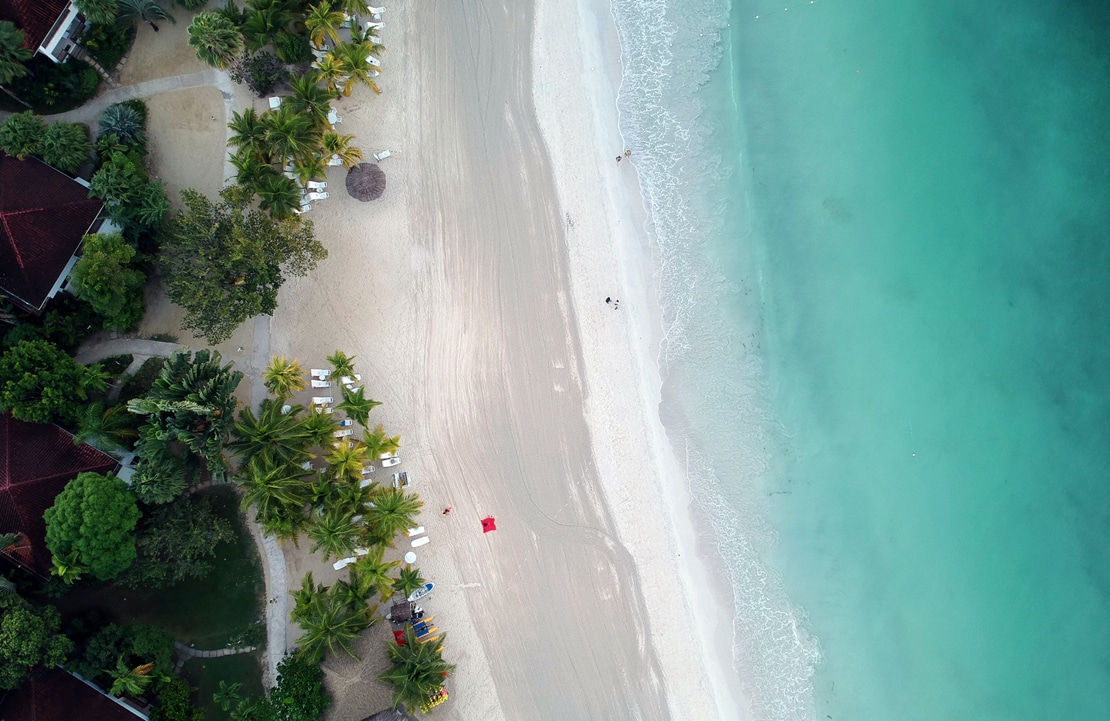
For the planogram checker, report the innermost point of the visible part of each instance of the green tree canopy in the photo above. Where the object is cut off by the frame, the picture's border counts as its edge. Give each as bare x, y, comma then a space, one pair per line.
40, 383
177, 542
215, 38
12, 53
298, 696
98, 12
106, 279
224, 263
21, 134
94, 520
135, 644
174, 705
418, 669
29, 637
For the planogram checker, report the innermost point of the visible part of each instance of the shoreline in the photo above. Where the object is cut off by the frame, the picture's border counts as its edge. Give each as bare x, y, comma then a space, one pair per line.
635, 261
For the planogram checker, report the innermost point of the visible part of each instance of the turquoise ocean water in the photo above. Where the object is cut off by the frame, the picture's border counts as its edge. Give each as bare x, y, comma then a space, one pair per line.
883, 232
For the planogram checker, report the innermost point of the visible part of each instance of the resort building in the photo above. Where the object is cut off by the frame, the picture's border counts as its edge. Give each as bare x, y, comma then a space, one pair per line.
37, 460
44, 215
52, 27
53, 694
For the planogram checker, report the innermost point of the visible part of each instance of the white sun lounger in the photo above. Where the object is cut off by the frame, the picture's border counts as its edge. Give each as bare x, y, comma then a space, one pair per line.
343, 563
343, 433
275, 102
422, 541
317, 184
374, 61
347, 380
321, 384
320, 373
361, 551
322, 400
375, 11
414, 531
382, 155
345, 423
335, 160
317, 196
364, 483
302, 209
370, 26
333, 117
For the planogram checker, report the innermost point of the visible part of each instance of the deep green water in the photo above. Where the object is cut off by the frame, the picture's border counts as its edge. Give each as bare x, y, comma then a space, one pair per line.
928, 191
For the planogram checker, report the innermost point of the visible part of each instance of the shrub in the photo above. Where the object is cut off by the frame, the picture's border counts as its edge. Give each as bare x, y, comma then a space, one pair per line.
106, 279
39, 383
261, 72
92, 525
107, 44
293, 49
55, 86
191, 4
140, 383
21, 134
125, 122
66, 146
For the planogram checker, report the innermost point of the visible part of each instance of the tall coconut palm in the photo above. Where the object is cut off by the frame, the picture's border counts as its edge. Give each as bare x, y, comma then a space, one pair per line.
319, 426
329, 623
215, 38
273, 437
377, 442
332, 72
289, 134
109, 429
305, 596
266, 19
311, 168
393, 511
98, 12
357, 405
284, 377
278, 195
354, 8
333, 533
346, 459
310, 99
340, 146
418, 669
323, 22
342, 364
146, 11
248, 133
352, 496
356, 57
251, 170
375, 570
275, 492
408, 580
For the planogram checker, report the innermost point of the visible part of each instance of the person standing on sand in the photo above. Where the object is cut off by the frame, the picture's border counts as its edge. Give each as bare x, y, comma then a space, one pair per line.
618, 160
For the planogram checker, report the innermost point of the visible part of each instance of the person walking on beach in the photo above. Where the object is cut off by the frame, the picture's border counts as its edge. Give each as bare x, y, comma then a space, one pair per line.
618, 160
447, 511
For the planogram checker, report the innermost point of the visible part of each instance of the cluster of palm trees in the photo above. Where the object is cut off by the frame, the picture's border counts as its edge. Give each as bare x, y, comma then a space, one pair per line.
296, 136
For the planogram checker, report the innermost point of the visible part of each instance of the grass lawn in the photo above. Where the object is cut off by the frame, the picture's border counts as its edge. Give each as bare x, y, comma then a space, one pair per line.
205, 674
207, 613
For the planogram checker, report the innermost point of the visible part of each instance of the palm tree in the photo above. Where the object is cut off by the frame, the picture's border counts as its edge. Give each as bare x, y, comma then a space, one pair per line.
356, 56
310, 168
127, 681
284, 377
357, 405
319, 426
375, 570
159, 480
332, 71
249, 133
275, 492
12, 56
147, 11
305, 596
215, 38
67, 567
408, 580
393, 512
323, 22
289, 134
354, 8
347, 459
251, 170
352, 496
109, 429
273, 437
278, 195
418, 669
266, 19
342, 364
227, 695
377, 442
340, 146
310, 99
334, 533
98, 12
328, 622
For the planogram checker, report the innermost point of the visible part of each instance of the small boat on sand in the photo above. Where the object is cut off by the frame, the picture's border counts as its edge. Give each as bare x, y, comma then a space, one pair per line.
421, 592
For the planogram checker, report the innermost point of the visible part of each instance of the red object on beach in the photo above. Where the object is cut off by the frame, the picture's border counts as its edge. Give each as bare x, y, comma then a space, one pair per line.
488, 524
399, 637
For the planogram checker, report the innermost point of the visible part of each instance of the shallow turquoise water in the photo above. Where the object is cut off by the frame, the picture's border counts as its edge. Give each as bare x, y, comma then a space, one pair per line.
884, 234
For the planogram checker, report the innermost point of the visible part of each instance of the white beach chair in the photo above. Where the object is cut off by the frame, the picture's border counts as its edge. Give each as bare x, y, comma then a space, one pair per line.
333, 117
321, 384
317, 184
373, 73
374, 61
362, 551
286, 409
335, 160
382, 155
321, 373
343, 563
275, 102
322, 400
376, 12
374, 27
317, 196
343, 433
422, 541
345, 423
364, 483
414, 531
302, 209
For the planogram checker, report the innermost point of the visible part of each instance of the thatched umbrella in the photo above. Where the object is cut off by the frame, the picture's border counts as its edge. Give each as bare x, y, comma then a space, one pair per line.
400, 612
366, 182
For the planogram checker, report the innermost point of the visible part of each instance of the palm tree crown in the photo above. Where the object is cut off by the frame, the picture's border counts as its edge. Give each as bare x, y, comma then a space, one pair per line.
418, 669
215, 38
284, 377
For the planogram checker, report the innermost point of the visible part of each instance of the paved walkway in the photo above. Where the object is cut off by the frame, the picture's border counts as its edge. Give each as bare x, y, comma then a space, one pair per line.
184, 653
90, 111
100, 349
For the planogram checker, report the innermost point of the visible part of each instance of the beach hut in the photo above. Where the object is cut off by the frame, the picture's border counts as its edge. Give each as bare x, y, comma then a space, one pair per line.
365, 182
400, 612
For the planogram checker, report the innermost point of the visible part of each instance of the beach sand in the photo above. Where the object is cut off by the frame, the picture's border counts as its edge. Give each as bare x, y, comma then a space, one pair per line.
473, 295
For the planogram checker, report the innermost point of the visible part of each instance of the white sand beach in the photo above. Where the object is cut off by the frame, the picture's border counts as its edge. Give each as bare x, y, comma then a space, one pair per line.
473, 296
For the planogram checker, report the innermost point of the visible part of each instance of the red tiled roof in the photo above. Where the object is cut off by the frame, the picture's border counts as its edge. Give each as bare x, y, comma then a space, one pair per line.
55, 695
37, 460
33, 17
43, 216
